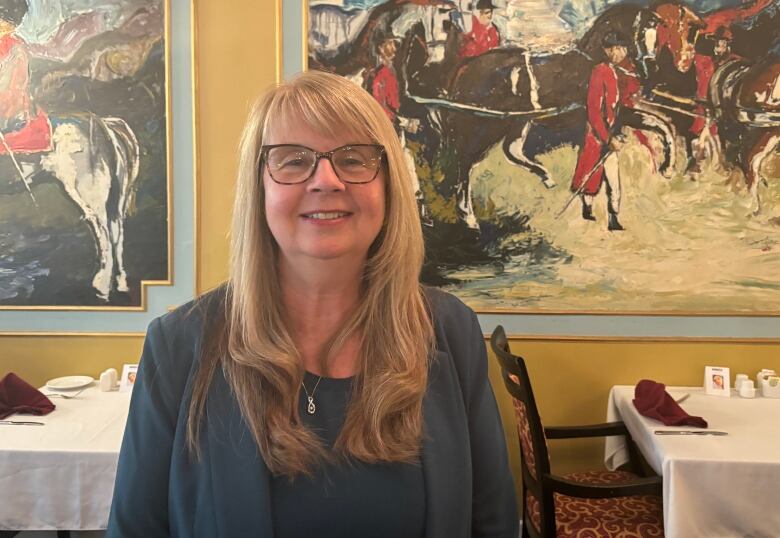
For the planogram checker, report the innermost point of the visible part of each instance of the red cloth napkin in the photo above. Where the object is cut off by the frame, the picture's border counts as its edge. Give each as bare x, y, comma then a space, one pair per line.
18, 396
652, 400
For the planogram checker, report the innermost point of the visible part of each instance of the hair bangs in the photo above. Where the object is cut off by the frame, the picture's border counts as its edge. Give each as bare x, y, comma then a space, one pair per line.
330, 111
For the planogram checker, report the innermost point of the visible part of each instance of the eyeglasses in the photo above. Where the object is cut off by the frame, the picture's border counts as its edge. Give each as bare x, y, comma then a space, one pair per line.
289, 164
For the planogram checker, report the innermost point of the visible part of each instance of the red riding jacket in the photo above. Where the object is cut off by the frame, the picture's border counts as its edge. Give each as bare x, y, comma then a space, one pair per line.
603, 95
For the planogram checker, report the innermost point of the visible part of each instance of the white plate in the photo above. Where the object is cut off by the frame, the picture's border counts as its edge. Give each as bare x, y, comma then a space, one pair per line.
69, 382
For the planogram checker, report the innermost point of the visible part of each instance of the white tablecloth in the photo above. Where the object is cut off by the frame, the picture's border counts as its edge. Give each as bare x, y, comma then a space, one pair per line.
61, 475
714, 486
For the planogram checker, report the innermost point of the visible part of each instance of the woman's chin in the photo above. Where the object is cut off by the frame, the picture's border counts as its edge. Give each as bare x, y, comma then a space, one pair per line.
335, 253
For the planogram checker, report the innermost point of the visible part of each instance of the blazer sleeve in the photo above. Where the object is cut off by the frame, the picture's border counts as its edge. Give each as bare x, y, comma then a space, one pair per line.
494, 505
140, 503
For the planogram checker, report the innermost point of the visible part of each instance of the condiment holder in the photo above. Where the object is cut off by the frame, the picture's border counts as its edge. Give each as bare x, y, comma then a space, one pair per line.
741, 378
108, 380
746, 389
770, 387
763, 374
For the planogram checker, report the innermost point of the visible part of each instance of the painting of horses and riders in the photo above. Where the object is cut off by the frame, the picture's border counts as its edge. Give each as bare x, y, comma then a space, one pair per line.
581, 156
83, 152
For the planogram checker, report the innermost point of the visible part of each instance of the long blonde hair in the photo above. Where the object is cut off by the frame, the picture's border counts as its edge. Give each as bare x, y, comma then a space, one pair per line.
250, 340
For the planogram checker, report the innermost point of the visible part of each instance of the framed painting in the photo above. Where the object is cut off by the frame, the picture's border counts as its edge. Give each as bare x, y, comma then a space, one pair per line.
85, 175
580, 157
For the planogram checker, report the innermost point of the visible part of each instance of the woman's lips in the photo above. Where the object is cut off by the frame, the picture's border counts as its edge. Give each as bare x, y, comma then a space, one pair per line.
326, 215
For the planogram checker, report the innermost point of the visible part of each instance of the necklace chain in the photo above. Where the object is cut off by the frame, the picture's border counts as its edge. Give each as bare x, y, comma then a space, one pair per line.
311, 408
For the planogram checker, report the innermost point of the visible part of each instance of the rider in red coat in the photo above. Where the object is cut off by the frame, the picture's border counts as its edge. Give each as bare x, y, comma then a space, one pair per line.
383, 84
602, 103
483, 35
24, 128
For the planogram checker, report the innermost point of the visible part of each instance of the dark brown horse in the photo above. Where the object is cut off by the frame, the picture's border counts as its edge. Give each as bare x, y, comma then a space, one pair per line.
749, 101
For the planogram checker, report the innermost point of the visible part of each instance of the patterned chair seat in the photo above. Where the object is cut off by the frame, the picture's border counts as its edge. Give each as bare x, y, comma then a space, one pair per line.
621, 517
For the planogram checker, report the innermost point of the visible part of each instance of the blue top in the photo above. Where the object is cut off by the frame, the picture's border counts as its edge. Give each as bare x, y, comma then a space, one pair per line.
382, 500
162, 491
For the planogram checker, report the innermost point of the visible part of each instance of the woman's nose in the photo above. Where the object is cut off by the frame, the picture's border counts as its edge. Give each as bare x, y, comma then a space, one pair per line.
325, 177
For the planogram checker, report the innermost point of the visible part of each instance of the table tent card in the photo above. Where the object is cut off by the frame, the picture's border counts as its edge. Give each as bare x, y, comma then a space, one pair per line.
717, 381
128, 377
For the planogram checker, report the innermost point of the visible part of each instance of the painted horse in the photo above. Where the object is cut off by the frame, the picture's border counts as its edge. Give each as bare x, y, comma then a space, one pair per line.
95, 161
747, 99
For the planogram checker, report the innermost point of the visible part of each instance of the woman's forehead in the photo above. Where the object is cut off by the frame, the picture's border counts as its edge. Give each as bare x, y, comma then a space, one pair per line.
295, 130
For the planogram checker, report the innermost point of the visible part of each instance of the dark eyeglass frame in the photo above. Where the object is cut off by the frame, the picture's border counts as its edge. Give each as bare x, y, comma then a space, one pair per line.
321, 155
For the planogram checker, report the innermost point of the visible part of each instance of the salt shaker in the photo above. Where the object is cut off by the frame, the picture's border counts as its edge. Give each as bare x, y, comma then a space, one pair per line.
105, 382
746, 389
114, 377
741, 378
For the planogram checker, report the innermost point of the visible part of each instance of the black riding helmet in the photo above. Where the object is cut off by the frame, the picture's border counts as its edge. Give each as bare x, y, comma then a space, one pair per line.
13, 11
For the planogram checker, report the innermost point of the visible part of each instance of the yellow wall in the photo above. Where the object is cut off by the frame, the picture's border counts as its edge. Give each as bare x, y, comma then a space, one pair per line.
235, 60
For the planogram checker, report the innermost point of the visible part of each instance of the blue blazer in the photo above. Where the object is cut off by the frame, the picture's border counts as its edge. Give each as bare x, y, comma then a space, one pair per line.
161, 491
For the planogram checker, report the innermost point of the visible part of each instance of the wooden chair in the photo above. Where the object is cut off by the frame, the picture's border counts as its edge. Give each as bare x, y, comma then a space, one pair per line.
605, 503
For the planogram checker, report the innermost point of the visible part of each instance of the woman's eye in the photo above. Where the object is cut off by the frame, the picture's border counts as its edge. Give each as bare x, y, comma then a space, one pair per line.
351, 161
292, 163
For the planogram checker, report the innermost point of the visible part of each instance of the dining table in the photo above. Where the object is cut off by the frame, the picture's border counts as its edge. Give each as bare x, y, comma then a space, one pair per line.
719, 481
58, 472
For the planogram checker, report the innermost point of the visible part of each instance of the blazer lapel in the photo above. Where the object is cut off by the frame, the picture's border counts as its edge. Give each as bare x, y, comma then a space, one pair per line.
446, 454
240, 478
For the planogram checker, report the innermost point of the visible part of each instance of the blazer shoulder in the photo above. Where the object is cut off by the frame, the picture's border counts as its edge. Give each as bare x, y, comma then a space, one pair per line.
182, 329
447, 311
194, 313
457, 328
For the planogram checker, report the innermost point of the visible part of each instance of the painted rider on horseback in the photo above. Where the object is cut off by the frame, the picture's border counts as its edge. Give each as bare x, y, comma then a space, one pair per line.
25, 128
483, 35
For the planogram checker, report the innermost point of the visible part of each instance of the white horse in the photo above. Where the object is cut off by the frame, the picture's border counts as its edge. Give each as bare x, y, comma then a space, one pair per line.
96, 161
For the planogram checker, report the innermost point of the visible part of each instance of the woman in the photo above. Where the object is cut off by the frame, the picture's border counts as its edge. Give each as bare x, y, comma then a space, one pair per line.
322, 391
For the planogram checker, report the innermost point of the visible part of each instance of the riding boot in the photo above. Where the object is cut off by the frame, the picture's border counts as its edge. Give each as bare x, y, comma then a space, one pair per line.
693, 166
587, 212
614, 225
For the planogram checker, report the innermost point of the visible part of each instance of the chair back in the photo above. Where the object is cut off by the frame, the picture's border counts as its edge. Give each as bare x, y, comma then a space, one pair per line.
535, 462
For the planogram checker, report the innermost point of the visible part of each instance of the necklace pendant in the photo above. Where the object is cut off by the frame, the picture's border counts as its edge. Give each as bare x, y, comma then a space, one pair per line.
311, 408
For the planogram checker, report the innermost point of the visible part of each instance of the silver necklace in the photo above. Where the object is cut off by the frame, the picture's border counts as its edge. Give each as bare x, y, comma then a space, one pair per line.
311, 408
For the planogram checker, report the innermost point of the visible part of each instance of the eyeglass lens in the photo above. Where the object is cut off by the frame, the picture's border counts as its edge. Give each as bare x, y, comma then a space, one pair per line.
352, 164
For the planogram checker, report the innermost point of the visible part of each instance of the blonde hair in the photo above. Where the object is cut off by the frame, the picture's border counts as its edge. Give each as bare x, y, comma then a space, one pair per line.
250, 340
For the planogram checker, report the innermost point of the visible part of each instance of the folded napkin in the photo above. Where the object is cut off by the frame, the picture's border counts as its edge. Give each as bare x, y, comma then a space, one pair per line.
651, 400
18, 396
